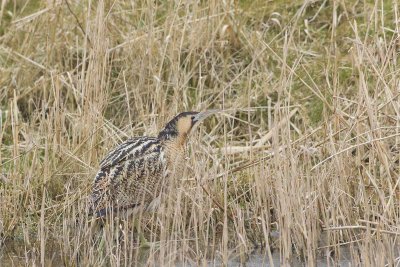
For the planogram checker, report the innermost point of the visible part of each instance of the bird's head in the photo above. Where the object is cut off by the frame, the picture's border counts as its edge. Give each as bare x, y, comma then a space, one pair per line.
180, 126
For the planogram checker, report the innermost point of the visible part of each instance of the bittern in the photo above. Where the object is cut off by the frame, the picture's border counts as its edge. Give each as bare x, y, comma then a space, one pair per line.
133, 175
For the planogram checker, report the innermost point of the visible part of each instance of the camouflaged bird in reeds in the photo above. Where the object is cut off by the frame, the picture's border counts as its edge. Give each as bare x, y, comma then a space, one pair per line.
133, 175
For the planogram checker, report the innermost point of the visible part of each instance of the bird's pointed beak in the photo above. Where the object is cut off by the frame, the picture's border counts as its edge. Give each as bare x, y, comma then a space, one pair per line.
202, 115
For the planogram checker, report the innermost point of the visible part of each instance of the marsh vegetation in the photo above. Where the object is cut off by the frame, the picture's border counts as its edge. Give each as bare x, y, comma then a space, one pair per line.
303, 162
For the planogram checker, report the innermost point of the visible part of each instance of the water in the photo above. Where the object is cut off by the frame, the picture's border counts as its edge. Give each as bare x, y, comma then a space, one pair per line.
18, 254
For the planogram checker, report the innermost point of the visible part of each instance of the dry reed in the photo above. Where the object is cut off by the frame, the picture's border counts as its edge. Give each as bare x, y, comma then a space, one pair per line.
303, 165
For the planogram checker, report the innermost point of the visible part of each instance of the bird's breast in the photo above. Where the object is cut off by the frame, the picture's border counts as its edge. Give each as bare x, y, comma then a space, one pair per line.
176, 160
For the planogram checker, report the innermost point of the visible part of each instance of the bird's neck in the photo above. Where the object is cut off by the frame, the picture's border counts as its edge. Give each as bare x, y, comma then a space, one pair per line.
178, 141
168, 134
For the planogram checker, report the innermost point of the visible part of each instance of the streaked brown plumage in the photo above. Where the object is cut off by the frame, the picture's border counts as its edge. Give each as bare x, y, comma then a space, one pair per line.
133, 175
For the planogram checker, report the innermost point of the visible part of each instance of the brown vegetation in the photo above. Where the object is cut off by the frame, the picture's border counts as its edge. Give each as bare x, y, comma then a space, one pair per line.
304, 159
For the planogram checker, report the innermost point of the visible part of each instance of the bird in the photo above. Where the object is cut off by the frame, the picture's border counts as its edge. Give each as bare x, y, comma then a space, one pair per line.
133, 175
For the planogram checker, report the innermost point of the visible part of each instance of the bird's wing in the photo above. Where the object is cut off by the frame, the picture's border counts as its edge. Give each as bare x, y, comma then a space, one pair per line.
123, 150
126, 173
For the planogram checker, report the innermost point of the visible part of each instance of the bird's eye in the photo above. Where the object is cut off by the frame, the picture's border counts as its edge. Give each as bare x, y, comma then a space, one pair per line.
193, 117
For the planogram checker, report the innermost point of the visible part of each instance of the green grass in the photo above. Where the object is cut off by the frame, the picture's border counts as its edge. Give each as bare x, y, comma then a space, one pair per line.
304, 185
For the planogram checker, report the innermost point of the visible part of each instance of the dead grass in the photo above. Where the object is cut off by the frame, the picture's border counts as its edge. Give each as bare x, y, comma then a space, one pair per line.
304, 160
